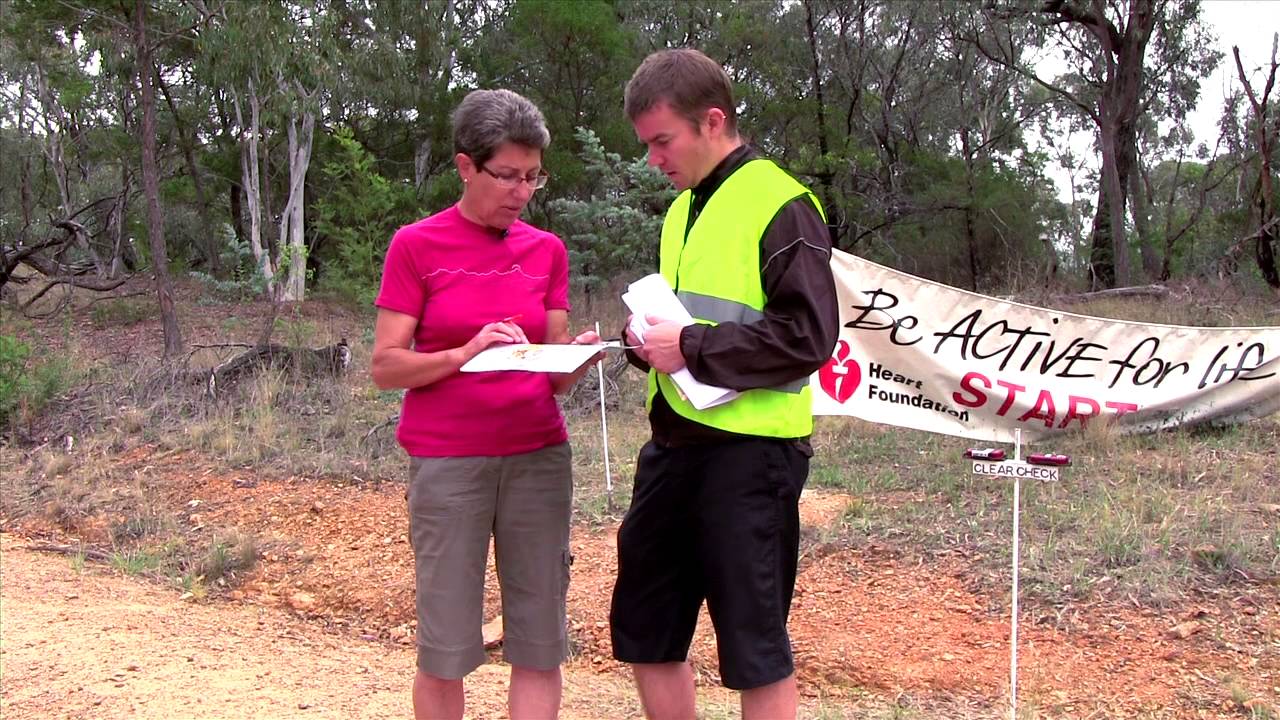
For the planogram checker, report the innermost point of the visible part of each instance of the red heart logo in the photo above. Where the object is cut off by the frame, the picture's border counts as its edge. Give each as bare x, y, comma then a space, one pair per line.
841, 376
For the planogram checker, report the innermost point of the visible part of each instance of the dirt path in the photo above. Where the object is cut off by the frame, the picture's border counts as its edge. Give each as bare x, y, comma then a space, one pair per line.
322, 627
99, 645
96, 644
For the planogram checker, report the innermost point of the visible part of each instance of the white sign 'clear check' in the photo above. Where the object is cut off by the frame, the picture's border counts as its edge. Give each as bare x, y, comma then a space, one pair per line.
1018, 469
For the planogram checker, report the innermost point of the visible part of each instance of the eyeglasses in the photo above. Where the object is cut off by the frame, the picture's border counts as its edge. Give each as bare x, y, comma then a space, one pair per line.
512, 180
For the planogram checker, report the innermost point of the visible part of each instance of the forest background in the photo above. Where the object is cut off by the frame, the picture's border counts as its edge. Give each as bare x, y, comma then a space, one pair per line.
275, 147
195, 194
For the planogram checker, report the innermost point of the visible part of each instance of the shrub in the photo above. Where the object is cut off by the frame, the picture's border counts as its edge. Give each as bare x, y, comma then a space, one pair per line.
26, 387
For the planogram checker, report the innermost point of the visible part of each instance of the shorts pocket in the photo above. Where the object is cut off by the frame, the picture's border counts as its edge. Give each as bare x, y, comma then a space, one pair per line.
566, 565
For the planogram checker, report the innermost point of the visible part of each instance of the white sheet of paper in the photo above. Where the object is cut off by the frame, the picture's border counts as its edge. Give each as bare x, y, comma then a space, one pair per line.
533, 358
652, 295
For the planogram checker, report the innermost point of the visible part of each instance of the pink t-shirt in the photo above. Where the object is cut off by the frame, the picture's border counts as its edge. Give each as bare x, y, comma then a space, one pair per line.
455, 276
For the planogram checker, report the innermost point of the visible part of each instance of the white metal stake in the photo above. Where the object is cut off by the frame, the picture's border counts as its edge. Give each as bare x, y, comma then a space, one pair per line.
1013, 614
604, 434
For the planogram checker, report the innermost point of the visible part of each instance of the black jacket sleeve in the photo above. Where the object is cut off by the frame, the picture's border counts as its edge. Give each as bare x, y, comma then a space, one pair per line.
801, 316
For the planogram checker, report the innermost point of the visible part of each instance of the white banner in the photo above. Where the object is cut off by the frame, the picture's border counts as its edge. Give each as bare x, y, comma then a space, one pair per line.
916, 354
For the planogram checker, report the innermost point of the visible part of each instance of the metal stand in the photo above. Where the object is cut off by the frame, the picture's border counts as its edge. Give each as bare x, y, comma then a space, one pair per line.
604, 435
1038, 466
1013, 612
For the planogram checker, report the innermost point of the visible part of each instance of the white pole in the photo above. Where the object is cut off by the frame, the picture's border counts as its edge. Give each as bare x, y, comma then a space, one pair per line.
1013, 613
604, 434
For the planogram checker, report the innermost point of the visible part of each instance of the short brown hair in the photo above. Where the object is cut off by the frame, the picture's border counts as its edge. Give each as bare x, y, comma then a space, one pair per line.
485, 119
690, 82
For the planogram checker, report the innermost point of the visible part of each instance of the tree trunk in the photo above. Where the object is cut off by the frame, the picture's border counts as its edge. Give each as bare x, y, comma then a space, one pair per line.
815, 74
151, 187
209, 239
251, 181
970, 233
115, 223
237, 209
1121, 56
1102, 267
234, 188
1264, 251
26, 200
1148, 247
421, 163
53, 141
55, 123
1109, 259
122, 253
291, 220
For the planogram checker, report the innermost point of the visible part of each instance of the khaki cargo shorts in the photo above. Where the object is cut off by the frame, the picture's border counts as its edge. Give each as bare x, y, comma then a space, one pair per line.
455, 505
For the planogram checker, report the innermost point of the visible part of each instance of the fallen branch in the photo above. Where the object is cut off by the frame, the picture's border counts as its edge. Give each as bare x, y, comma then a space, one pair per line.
95, 284
385, 423
118, 297
210, 346
329, 360
88, 552
1156, 291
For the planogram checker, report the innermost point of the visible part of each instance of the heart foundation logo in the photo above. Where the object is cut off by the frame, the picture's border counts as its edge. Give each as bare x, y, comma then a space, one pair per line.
841, 376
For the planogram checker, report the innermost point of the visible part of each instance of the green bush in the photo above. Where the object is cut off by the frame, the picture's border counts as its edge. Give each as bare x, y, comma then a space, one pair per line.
26, 387
121, 312
614, 233
356, 216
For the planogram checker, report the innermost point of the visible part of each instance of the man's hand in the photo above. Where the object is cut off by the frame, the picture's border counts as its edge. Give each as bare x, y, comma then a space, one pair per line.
662, 345
634, 341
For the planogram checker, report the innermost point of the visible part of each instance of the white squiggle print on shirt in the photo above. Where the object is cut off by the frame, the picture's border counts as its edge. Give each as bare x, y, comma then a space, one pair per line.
459, 271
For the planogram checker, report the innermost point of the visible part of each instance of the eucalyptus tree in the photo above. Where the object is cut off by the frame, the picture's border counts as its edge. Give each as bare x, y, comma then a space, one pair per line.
92, 64
1267, 133
280, 88
658, 24
49, 95
989, 108
915, 138
573, 60
142, 34
303, 81
882, 73
404, 67
1127, 60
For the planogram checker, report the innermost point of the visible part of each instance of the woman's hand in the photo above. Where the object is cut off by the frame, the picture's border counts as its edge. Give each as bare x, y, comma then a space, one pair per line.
396, 364
561, 382
503, 331
590, 337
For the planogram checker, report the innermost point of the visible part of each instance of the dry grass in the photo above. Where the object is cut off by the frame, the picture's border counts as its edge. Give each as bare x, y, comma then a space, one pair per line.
121, 512
1151, 517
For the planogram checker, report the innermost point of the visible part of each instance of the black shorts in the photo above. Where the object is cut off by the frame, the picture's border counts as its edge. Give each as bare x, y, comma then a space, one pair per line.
718, 522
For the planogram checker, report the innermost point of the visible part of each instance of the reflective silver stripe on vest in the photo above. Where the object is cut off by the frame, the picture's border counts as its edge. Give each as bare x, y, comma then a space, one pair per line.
793, 387
719, 310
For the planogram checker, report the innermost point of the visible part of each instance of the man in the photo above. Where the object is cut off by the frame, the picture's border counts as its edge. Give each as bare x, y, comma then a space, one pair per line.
714, 512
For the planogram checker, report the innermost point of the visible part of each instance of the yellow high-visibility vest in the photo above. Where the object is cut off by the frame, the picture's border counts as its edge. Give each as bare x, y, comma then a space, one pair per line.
715, 271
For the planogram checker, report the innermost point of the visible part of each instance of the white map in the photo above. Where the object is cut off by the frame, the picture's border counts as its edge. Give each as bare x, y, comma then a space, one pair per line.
534, 358
651, 295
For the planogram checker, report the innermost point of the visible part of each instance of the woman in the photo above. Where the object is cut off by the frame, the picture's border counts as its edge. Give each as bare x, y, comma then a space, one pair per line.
489, 452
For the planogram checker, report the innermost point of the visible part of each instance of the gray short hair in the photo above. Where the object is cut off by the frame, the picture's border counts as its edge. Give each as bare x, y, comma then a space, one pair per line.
485, 119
